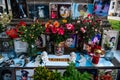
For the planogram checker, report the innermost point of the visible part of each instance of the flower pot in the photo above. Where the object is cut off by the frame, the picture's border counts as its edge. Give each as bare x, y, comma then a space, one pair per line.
59, 49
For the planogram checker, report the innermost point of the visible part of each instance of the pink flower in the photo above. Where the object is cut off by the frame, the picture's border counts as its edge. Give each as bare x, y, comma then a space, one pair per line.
47, 30
54, 30
61, 31
82, 29
70, 26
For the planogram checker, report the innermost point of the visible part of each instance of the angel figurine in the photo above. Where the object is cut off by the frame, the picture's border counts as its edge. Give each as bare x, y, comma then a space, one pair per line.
72, 57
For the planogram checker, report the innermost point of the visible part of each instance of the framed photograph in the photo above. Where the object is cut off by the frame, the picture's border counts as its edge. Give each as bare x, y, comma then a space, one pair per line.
41, 41
19, 8
24, 74
60, 10
81, 9
38, 10
107, 74
101, 7
110, 39
114, 10
71, 41
6, 44
7, 74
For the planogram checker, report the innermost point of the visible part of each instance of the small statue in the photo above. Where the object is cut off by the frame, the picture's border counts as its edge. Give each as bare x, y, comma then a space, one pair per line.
72, 57
82, 60
37, 61
44, 57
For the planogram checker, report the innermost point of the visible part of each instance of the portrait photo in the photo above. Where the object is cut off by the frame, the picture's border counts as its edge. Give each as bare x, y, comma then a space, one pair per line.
110, 39
107, 74
101, 7
7, 74
60, 10
6, 44
19, 8
81, 9
38, 11
71, 41
41, 41
24, 74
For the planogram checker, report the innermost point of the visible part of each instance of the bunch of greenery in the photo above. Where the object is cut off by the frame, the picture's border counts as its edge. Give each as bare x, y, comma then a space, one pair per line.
42, 73
71, 73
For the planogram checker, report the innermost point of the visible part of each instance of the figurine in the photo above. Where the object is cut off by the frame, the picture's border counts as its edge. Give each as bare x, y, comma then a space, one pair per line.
72, 57
24, 75
82, 60
37, 61
44, 57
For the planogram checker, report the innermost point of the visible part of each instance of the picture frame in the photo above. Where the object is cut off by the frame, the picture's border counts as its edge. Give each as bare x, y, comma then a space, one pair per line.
105, 74
41, 41
71, 41
7, 73
81, 9
60, 10
19, 8
110, 37
101, 8
6, 45
37, 10
24, 73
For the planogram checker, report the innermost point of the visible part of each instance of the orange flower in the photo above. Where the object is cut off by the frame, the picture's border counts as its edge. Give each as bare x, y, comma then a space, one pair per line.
56, 24
64, 21
47, 24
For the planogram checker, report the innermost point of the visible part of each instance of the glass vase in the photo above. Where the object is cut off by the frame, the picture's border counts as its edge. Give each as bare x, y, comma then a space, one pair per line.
59, 49
109, 55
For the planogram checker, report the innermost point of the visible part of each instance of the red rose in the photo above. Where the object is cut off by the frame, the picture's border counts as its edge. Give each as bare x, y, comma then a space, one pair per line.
12, 32
54, 29
60, 31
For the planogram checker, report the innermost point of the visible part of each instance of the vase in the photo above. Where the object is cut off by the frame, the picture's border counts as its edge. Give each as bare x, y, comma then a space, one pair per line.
59, 49
109, 55
95, 59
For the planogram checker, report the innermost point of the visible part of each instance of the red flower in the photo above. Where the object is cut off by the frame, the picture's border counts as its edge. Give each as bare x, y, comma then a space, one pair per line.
60, 31
12, 33
22, 23
70, 26
54, 29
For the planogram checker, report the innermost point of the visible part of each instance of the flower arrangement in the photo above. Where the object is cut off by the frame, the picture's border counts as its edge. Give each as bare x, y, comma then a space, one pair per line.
58, 31
4, 20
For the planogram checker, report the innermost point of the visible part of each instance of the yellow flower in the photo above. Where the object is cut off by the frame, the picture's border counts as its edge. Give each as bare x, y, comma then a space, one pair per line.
64, 21
56, 24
